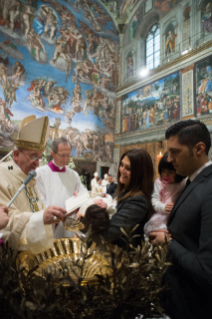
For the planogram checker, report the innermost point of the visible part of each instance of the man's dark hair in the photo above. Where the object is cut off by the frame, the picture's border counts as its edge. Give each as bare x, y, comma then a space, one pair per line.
57, 141
98, 179
109, 175
190, 133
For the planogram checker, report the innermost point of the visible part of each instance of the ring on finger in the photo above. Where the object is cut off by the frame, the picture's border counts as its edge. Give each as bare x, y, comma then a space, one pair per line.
55, 218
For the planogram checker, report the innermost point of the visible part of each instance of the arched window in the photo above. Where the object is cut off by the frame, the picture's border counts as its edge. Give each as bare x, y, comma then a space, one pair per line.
153, 47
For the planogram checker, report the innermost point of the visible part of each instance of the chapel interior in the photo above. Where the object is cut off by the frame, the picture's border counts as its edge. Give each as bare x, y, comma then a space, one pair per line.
110, 75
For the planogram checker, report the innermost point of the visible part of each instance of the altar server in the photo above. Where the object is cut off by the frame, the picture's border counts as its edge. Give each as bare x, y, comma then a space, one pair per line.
56, 182
29, 226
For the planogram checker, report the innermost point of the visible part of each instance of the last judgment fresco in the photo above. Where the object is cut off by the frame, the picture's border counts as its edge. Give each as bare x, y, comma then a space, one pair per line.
59, 58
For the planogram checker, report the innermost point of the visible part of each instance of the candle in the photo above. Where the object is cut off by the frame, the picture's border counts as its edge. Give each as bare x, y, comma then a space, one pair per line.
159, 156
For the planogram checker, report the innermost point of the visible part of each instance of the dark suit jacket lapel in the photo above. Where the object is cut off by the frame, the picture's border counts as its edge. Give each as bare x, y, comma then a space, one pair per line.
199, 179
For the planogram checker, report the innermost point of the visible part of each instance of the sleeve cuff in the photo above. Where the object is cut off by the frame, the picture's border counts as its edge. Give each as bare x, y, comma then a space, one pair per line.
40, 237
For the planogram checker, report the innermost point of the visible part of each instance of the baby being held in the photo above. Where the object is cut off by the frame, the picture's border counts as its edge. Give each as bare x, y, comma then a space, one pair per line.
167, 188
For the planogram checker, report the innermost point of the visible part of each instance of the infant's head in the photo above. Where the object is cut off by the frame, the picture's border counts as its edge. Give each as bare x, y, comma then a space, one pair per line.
97, 217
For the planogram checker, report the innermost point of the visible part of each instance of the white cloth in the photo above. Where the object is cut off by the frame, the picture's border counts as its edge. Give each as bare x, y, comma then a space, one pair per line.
55, 188
111, 205
156, 199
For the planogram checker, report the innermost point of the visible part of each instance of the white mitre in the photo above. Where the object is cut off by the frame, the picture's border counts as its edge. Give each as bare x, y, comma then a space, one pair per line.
33, 133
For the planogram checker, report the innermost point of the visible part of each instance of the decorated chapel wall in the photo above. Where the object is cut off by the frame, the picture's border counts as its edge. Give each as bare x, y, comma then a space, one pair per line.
147, 113
181, 88
184, 26
59, 58
171, 97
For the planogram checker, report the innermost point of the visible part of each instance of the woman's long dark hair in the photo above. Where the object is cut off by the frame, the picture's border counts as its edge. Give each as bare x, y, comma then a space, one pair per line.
142, 174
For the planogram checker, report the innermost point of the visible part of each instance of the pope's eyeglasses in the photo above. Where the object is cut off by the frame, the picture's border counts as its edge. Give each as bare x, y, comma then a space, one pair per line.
31, 157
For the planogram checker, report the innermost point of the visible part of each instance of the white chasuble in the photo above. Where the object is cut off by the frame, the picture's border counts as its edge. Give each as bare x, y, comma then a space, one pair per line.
26, 229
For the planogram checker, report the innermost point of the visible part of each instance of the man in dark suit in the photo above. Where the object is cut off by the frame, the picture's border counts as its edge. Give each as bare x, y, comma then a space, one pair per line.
111, 187
190, 225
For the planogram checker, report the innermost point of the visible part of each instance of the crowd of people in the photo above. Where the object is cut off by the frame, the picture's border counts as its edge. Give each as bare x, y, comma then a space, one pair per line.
176, 208
102, 187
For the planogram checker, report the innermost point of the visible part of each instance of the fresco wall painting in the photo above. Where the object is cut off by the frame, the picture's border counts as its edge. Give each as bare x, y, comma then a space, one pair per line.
186, 30
152, 105
59, 58
166, 5
120, 9
134, 24
203, 84
187, 94
206, 15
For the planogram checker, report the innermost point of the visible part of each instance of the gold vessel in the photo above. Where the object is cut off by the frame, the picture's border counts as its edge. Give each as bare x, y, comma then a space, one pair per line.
69, 256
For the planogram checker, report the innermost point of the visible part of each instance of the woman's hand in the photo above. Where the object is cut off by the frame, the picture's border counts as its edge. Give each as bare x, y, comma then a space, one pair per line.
4, 219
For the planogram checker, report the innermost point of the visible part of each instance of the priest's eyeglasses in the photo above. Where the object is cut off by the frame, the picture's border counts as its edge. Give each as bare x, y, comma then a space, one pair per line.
64, 155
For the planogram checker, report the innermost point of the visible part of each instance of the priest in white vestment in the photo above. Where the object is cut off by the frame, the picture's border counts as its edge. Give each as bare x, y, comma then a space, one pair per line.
93, 181
56, 182
105, 183
29, 226
97, 189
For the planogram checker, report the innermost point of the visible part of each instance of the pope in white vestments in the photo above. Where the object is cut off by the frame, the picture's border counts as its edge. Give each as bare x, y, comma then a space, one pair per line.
56, 182
29, 226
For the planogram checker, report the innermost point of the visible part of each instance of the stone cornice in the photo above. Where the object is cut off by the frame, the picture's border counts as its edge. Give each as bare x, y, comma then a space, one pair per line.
153, 134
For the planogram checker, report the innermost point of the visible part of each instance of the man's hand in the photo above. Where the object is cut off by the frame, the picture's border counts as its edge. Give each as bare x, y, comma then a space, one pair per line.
51, 212
76, 194
4, 219
168, 208
159, 236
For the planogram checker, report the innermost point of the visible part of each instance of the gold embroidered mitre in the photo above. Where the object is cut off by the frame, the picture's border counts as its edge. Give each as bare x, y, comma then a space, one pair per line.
33, 133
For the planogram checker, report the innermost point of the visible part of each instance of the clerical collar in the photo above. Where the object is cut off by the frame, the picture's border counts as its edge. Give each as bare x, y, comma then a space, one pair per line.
55, 168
